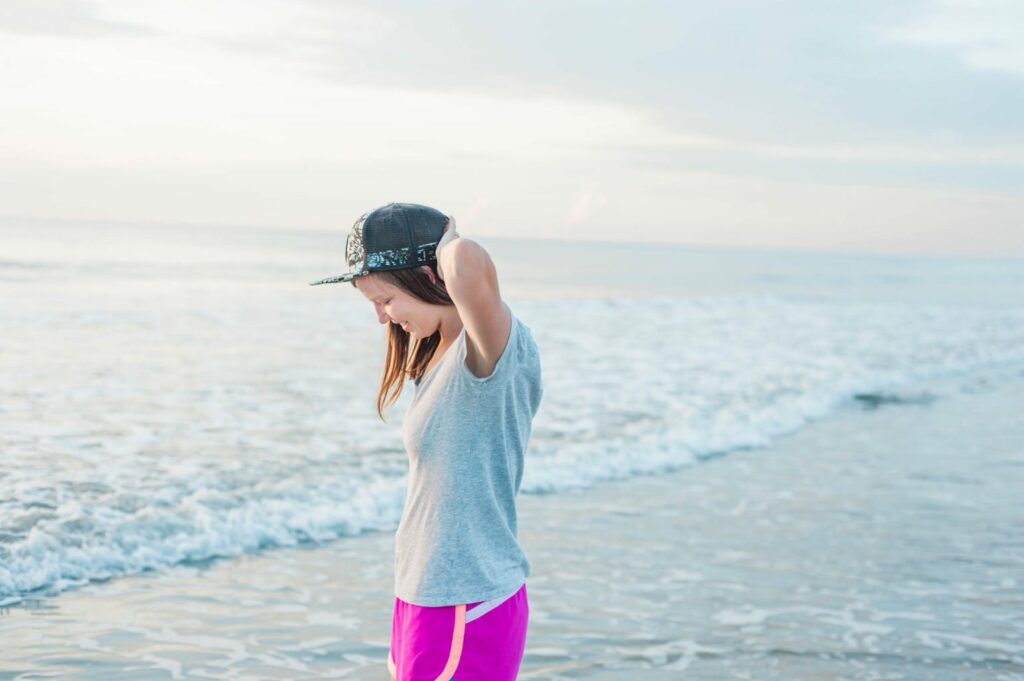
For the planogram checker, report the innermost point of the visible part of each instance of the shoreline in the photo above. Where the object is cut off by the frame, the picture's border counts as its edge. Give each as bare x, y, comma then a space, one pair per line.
876, 543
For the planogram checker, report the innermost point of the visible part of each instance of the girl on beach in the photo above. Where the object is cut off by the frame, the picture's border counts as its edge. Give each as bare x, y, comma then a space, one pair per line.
460, 610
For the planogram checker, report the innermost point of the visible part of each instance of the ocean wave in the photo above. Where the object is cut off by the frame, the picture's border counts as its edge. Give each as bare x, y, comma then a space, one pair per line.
221, 430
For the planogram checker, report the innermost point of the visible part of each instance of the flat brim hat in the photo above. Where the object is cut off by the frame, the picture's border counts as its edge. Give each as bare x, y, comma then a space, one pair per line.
393, 237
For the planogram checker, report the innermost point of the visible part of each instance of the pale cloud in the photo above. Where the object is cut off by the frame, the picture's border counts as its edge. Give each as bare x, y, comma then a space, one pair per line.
69, 18
823, 125
530, 202
986, 34
587, 201
148, 101
477, 212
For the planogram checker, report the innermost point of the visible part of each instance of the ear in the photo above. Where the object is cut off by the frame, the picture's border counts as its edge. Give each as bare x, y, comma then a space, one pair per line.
430, 273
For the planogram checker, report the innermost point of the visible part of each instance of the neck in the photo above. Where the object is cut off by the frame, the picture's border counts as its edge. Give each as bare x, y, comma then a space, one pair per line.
451, 326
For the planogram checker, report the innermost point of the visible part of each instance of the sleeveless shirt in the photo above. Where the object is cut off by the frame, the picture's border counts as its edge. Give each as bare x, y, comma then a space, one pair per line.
466, 437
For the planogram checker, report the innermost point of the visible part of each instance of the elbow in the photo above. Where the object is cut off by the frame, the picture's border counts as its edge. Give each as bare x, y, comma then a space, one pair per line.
467, 264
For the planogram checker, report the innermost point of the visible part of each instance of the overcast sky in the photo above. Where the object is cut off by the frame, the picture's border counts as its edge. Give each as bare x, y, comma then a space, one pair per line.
873, 126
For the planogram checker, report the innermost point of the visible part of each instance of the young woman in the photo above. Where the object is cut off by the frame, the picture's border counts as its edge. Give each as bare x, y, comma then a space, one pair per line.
460, 607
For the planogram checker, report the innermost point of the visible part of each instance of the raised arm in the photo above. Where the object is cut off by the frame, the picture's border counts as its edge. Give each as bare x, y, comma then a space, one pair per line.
472, 282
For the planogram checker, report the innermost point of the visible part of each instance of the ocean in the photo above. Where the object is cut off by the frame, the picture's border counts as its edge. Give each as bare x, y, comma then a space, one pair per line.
179, 396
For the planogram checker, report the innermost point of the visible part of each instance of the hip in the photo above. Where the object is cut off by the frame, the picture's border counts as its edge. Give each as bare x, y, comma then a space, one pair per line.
483, 640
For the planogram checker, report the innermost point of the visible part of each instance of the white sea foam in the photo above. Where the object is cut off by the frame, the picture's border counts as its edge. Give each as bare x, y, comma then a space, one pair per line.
163, 422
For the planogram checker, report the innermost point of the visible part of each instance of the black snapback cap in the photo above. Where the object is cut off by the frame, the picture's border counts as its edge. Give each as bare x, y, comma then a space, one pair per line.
393, 237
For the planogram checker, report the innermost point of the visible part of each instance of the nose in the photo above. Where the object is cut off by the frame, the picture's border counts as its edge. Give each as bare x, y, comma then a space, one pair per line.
382, 317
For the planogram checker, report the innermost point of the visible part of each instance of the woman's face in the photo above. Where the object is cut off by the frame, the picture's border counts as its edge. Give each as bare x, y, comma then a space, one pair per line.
392, 304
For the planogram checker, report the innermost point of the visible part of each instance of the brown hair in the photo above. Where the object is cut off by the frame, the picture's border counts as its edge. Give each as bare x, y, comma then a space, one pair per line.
401, 362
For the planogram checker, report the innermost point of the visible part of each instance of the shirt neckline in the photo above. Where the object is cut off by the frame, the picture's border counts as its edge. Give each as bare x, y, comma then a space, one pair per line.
444, 356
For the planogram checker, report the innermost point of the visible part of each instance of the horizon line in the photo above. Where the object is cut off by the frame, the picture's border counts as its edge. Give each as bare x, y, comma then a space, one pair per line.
690, 245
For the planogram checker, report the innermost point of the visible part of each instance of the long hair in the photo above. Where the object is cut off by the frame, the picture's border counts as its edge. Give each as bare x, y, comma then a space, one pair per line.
401, 361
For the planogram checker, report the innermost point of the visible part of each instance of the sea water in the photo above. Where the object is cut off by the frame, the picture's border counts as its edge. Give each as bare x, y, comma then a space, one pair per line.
179, 394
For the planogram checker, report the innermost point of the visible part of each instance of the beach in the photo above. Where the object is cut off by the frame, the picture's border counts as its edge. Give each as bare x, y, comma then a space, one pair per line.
746, 465
881, 543
764, 260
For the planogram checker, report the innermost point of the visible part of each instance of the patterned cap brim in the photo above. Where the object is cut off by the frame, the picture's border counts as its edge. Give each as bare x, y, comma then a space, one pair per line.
340, 278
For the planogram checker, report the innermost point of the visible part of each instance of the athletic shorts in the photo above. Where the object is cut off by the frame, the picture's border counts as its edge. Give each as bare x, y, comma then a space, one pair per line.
481, 641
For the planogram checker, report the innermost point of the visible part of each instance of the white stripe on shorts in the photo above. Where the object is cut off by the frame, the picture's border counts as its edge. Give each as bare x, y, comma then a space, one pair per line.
485, 607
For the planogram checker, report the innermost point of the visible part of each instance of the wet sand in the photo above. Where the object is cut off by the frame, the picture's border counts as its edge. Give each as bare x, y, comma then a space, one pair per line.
883, 542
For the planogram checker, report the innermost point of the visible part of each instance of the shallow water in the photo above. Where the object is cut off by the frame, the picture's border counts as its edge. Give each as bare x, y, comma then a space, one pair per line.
746, 465
175, 395
881, 543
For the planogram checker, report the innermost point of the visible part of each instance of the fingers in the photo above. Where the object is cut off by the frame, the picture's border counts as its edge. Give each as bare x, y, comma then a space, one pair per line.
450, 234
450, 227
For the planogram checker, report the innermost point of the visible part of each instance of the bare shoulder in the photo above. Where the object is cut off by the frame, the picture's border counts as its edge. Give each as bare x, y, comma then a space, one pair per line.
473, 286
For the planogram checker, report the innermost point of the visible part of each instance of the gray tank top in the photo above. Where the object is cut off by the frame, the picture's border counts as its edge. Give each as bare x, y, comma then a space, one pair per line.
466, 437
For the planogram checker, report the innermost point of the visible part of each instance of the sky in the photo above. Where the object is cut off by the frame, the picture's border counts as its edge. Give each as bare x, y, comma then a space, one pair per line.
870, 126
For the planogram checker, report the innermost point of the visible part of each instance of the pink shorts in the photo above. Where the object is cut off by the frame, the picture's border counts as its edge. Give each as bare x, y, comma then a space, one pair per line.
481, 641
